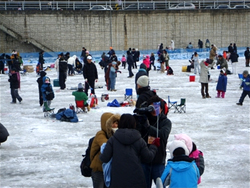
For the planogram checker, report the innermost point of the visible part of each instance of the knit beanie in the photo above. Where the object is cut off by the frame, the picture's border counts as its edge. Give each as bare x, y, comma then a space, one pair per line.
143, 81
80, 86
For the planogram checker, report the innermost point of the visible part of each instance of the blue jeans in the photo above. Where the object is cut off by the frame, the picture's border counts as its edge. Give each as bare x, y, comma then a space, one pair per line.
243, 95
152, 172
15, 95
98, 179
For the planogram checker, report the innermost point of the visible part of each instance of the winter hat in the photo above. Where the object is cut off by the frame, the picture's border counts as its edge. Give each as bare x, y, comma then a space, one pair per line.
61, 54
172, 146
147, 56
87, 52
143, 66
143, 81
89, 57
42, 73
80, 86
223, 71
187, 140
245, 72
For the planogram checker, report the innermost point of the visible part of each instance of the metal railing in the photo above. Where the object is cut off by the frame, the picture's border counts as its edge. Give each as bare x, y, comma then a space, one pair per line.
123, 5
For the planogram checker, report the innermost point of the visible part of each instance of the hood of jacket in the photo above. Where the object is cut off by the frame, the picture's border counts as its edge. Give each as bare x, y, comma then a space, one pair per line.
127, 136
181, 166
44, 78
105, 116
109, 122
69, 113
42, 73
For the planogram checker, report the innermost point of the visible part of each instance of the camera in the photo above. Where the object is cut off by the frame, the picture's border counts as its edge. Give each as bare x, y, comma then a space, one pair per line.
144, 110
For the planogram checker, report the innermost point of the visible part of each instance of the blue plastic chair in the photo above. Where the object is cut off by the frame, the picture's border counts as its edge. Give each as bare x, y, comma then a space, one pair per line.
172, 103
240, 76
128, 94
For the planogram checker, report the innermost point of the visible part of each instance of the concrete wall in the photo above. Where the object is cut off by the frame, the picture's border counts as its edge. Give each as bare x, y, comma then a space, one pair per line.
70, 30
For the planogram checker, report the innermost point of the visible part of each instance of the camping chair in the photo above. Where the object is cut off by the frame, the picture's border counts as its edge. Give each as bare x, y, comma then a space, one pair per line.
80, 107
128, 94
171, 103
181, 107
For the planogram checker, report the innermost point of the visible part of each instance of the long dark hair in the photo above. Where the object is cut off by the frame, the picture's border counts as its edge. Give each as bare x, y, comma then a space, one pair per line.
127, 121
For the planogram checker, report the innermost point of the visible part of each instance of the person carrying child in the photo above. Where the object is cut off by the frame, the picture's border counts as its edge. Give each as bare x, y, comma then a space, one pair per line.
48, 94
221, 84
181, 170
80, 95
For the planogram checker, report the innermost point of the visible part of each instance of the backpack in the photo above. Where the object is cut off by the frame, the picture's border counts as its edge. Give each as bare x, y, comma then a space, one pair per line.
49, 93
85, 164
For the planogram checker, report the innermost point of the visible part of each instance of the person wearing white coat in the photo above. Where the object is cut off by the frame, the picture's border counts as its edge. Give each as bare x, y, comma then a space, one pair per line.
172, 45
57, 66
204, 78
71, 65
196, 63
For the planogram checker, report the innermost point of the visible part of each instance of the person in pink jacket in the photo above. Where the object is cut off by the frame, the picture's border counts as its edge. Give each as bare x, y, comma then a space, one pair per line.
194, 153
146, 61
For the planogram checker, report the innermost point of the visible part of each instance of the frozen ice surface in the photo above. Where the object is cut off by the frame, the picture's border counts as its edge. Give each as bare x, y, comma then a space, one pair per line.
43, 152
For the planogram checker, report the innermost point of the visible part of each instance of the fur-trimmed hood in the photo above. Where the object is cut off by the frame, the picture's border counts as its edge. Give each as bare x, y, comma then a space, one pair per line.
109, 122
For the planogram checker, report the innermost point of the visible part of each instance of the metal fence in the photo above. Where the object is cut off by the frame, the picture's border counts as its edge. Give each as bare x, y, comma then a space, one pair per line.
121, 5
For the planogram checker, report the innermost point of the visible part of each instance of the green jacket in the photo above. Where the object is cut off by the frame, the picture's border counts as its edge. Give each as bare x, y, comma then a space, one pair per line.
80, 96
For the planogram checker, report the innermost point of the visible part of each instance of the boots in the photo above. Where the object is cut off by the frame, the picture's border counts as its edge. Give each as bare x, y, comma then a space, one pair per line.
46, 108
88, 107
218, 94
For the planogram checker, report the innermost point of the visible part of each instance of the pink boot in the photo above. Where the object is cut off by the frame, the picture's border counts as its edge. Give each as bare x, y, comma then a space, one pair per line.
218, 94
223, 94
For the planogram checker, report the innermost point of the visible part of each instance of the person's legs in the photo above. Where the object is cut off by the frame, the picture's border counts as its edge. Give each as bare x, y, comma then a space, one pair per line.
218, 94
92, 85
147, 172
202, 90
112, 85
130, 71
17, 95
247, 62
12, 91
98, 180
61, 80
156, 171
243, 95
223, 94
206, 91
162, 68
86, 88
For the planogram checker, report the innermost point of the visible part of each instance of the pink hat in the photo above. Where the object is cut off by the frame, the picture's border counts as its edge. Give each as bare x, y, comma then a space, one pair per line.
186, 139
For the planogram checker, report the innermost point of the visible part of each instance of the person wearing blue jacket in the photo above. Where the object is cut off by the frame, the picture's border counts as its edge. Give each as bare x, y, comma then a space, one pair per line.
47, 93
246, 87
67, 115
112, 76
221, 84
181, 171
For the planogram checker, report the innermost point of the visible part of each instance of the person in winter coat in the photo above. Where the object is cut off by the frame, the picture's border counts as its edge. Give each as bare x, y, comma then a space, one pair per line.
247, 56
47, 93
172, 45
137, 55
78, 67
234, 59
235, 48
222, 84
161, 60
146, 61
143, 90
130, 62
41, 60
90, 75
194, 153
3, 134
246, 87
63, 67
102, 136
124, 61
230, 48
181, 170
152, 61
2, 62
152, 126
113, 75
40, 83
166, 57
83, 54
81, 96
207, 44
200, 44
67, 115
204, 78
57, 65
14, 79
212, 55
222, 62
71, 65
127, 148
133, 53
196, 63
142, 71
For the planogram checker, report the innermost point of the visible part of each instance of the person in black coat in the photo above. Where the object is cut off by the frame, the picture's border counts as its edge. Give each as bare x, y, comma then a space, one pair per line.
130, 62
83, 54
142, 71
3, 133
133, 53
127, 148
14, 80
200, 43
63, 67
247, 56
40, 83
90, 75
41, 60
2, 61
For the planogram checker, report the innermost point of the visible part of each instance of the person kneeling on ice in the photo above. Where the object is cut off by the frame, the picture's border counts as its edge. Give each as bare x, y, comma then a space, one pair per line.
48, 94
181, 171
67, 115
80, 95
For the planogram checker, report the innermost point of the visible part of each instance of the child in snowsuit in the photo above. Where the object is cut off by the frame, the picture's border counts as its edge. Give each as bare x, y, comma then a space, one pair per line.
81, 95
40, 83
124, 61
246, 87
152, 60
221, 84
194, 153
14, 80
181, 170
48, 94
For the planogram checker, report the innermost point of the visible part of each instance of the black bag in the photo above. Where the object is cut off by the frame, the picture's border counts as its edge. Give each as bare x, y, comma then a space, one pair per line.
49, 93
85, 164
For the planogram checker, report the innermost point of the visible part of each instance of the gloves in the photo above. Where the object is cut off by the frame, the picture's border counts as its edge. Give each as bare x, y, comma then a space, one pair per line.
86, 80
96, 80
156, 142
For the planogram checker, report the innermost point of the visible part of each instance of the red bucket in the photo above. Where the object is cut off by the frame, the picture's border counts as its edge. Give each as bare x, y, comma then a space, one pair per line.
191, 78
